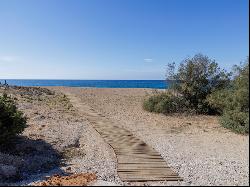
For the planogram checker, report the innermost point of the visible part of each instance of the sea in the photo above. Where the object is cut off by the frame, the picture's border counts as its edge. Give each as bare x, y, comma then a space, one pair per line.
154, 84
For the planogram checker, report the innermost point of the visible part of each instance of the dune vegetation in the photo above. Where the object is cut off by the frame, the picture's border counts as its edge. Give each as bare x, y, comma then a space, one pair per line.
200, 86
12, 121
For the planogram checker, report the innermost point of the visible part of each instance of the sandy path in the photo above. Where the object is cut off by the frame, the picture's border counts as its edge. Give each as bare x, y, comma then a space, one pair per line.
201, 151
136, 160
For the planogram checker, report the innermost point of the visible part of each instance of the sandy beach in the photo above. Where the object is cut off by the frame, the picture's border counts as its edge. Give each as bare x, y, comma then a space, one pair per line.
124, 93
196, 147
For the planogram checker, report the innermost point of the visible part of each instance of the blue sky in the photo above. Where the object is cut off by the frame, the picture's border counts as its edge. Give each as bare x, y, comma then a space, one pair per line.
117, 39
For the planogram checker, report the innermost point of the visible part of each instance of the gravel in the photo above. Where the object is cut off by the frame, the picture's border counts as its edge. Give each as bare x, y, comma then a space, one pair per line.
201, 151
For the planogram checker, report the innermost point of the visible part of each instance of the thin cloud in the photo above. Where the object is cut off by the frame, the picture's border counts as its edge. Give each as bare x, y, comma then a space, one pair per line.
148, 60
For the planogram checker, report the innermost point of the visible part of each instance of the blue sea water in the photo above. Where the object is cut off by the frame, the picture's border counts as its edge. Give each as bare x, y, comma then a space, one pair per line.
155, 84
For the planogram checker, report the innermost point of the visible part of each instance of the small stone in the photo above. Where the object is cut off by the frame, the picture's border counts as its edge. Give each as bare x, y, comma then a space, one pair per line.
68, 169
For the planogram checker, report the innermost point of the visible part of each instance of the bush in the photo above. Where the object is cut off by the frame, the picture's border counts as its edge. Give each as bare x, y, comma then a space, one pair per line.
12, 121
236, 121
198, 77
233, 102
164, 103
195, 79
217, 101
200, 86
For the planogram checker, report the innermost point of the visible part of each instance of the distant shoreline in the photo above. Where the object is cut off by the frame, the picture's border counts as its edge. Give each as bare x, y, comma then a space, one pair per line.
151, 84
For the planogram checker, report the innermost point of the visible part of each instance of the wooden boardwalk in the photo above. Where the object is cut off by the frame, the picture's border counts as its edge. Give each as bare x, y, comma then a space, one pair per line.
137, 162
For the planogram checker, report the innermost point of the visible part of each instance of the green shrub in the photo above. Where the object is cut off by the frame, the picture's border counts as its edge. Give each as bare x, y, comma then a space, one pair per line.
195, 79
164, 103
233, 102
199, 76
200, 86
236, 121
12, 121
217, 100
236, 111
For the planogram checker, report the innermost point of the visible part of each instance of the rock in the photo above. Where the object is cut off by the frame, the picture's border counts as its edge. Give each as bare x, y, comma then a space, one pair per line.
68, 169
7, 171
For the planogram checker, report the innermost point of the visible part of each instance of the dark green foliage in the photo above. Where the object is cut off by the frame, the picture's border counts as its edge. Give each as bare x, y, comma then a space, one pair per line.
12, 121
217, 101
199, 77
195, 79
236, 121
233, 102
164, 103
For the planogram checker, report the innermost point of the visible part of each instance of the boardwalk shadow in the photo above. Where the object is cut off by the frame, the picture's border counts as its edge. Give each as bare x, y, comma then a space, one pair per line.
26, 157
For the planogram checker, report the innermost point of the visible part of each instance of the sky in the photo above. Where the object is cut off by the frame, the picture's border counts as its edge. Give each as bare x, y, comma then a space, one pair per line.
117, 39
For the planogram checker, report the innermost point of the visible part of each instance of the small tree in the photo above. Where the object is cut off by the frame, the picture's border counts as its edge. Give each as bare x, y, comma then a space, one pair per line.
198, 77
12, 121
